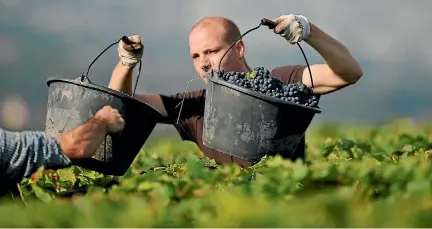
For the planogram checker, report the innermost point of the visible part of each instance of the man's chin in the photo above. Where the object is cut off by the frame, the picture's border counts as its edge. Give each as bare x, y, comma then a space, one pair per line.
204, 78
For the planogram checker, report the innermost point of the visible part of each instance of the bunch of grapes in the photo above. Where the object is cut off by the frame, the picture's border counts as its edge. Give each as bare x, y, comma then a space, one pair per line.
261, 81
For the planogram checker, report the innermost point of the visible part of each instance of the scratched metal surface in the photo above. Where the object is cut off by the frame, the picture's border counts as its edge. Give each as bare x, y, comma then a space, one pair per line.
70, 106
248, 127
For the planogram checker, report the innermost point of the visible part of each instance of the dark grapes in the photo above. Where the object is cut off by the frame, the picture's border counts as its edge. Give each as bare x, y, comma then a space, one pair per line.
261, 81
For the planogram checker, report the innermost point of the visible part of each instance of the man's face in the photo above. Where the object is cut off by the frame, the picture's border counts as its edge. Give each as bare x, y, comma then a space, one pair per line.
207, 46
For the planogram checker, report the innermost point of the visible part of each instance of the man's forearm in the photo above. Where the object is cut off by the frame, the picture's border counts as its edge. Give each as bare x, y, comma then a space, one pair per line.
121, 79
22, 153
84, 139
336, 55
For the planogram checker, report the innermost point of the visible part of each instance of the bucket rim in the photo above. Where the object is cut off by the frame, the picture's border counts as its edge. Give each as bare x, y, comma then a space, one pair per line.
216, 80
108, 90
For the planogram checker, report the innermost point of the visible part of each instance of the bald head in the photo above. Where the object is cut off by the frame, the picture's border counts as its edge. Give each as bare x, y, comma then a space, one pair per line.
229, 28
210, 41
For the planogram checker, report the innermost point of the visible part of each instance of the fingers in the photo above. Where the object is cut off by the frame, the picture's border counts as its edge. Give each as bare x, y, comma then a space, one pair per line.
279, 28
112, 118
281, 23
135, 38
130, 54
279, 19
117, 124
104, 110
130, 47
115, 115
137, 44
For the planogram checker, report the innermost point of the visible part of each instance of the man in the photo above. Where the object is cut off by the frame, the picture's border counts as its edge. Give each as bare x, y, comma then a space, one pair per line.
22, 153
209, 39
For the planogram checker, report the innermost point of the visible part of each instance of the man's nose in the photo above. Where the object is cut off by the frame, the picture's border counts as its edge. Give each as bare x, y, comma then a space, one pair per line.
205, 64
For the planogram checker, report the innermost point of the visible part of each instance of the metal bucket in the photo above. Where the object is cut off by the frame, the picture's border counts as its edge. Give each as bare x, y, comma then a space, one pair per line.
72, 102
247, 124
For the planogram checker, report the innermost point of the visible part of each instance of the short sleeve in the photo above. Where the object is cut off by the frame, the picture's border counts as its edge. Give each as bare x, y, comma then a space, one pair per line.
190, 103
289, 74
190, 107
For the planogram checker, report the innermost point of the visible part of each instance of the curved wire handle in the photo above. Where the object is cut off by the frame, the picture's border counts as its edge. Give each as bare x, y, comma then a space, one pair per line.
182, 101
270, 24
205, 68
126, 41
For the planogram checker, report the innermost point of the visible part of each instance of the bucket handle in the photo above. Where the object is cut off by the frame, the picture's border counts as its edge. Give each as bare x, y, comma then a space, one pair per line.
270, 24
84, 77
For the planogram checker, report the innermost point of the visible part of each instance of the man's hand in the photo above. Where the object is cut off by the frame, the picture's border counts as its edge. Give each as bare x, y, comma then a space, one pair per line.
113, 119
130, 55
294, 28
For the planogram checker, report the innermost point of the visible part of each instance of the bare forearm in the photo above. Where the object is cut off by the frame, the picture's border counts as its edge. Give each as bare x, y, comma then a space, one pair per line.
336, 55
121, 79
84, 139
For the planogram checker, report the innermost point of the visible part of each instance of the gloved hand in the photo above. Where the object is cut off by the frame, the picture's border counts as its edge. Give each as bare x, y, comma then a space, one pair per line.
130, 55
294, 28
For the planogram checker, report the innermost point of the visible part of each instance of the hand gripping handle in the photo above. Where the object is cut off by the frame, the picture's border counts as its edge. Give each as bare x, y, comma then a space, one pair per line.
269, 23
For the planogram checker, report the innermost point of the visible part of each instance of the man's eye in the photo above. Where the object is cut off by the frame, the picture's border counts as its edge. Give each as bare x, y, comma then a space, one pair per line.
211, 52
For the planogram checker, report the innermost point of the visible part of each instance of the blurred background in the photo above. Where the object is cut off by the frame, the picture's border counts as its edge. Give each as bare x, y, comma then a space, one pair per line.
46, 38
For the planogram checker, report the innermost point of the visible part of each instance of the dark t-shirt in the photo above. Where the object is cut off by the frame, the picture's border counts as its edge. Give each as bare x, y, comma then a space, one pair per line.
190, 125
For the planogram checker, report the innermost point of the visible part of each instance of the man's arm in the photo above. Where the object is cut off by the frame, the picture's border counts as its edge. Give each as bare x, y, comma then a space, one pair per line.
340, 70
121, 80
85, 139
166, 105
22, 153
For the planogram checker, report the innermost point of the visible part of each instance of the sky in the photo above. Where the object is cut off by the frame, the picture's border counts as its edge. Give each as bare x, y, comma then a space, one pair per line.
46, 38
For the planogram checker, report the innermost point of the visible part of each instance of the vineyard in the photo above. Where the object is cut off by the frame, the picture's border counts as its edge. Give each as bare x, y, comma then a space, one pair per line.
354, 176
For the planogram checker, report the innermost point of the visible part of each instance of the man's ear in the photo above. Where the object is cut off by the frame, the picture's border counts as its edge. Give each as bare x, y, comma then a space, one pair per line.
240, 49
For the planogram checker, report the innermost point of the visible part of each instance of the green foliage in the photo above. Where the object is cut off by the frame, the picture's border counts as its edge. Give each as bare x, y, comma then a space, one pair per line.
377, 176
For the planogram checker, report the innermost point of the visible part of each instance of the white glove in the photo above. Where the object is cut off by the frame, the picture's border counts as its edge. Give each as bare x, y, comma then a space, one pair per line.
294, 28
130, 55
